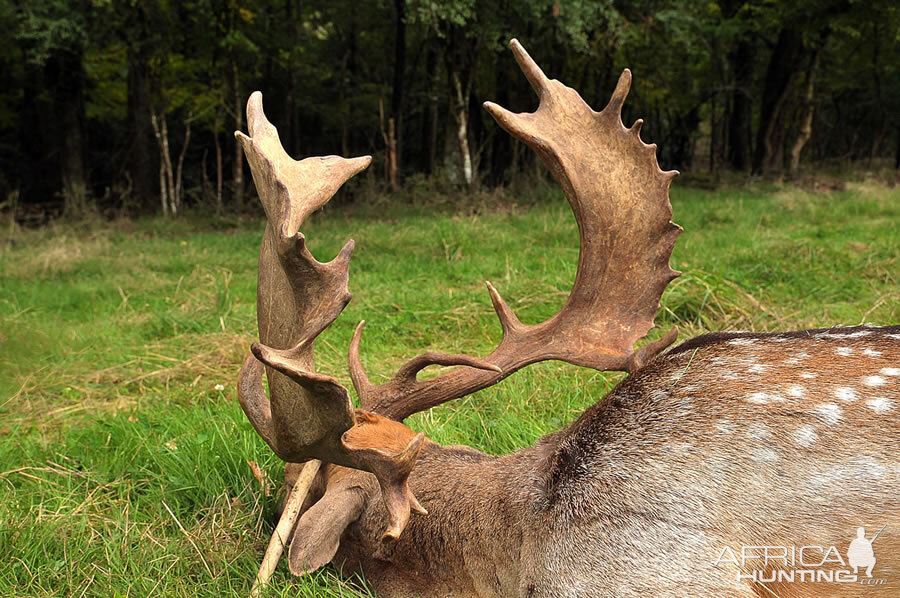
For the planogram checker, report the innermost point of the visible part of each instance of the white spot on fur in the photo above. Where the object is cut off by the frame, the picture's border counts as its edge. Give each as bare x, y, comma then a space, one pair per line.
846, 394
880, 404
867, 467
871, 352
844, 351
757, 368
859, 471
806, 435
657, 395
792, 361
725, 426
681, 406
893, 336
890, 371
764, 455
875, 468
856, 334
759, 432
682, 448
742, 341
873, 381
829, 413
760, 398
809, 375
796, 391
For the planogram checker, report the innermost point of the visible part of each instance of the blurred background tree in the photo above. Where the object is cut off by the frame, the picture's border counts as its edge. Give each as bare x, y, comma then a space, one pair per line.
127, 106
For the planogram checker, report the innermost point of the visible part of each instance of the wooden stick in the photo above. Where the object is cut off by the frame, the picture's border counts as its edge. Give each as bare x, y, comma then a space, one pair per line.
285, 524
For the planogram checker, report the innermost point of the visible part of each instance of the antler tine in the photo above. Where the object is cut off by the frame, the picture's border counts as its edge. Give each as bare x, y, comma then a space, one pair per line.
535, 75
364, 387
617, 99
509, 323
620, 200
406, 375
415, 365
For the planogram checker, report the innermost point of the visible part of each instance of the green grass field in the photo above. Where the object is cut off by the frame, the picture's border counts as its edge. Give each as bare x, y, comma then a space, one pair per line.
124, 465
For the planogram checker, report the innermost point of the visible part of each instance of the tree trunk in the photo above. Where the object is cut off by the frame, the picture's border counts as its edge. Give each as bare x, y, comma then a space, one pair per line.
393, 154
292, 130
741, 118
170, 179
38, 173
713, 132
461, 113
501, 146
342, 106
882, 112
399, 74
806, 125
70, 106
179, 195
238, 166
140, 160
352, 70
163, 188
163, 195
390, 147
204, 175
897, 152
219, 204
430, 114
680, 140
166, 178
781, 69
61, 143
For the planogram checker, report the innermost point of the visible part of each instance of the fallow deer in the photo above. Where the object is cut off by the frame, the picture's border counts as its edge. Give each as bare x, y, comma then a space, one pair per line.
734, 464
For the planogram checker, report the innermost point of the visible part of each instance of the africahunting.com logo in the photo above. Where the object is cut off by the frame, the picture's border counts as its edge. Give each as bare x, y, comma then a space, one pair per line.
805, 564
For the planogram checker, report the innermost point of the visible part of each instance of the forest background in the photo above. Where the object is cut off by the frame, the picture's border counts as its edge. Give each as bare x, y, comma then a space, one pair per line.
127, 107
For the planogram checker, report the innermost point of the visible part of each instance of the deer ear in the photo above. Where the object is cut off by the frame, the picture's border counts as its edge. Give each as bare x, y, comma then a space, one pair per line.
318, 533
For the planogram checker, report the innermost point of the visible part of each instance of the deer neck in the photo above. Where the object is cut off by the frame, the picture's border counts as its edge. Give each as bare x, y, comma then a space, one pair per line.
478, 531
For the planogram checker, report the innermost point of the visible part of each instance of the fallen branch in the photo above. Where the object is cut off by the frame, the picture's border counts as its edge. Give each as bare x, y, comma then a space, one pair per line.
285, 525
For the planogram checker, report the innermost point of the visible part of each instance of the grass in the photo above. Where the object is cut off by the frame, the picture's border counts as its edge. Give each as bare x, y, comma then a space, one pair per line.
124, 463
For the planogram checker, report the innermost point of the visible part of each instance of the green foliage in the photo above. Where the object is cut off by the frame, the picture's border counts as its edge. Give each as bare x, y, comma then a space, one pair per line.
46, 28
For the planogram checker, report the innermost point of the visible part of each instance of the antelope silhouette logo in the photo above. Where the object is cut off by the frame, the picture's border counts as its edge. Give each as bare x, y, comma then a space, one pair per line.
860, 553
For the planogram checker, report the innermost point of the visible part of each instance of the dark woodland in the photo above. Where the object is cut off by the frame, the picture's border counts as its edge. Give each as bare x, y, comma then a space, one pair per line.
128, 107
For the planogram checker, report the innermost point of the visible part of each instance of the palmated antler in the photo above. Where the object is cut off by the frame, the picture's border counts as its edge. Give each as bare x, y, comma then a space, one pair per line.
621, 202
309, 415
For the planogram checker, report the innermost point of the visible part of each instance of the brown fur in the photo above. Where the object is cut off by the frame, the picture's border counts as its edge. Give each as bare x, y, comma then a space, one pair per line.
724, 441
